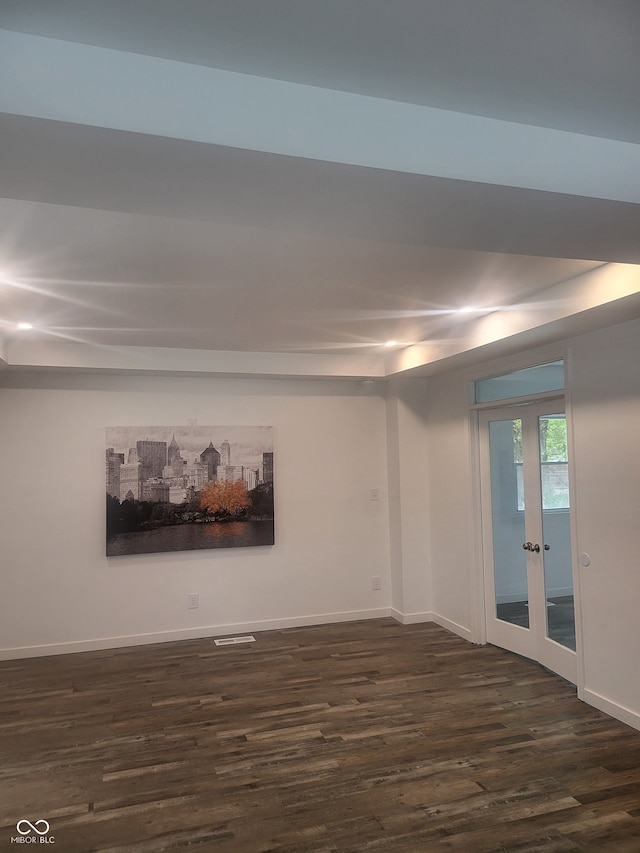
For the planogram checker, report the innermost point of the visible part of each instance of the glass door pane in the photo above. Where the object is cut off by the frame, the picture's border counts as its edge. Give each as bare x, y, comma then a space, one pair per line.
508, 522
554, 482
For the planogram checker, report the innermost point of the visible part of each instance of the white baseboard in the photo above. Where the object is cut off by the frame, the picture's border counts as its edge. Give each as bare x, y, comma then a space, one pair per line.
613, 709
410, 618
460, 630
430, 616
203, 631
190, 633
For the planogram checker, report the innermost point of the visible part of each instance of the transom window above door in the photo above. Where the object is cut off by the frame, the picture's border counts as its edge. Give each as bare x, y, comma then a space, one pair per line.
540, 379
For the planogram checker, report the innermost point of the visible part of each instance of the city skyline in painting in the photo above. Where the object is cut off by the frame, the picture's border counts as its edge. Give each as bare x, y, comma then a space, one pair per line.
183, 488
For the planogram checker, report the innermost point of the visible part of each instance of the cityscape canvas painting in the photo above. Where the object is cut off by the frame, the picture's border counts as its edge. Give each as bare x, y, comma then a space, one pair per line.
188, 488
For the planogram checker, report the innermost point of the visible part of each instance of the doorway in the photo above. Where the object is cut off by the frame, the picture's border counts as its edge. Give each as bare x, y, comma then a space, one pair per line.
529, 601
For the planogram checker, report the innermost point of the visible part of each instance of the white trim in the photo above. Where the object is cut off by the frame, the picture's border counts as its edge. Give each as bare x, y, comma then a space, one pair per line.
574, 519
613, 709
411, 618
523, 400
460, 630
477, 581
430, 616
191, 633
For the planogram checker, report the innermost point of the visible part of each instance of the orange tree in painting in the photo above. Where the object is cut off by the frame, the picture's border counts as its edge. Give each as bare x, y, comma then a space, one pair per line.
225, 499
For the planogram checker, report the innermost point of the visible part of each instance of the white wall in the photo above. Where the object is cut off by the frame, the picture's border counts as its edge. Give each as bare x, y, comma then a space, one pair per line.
604, 376
60, 593
450, 481
409, 500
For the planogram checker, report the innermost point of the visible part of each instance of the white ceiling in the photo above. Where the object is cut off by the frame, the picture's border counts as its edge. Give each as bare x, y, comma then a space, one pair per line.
384, 165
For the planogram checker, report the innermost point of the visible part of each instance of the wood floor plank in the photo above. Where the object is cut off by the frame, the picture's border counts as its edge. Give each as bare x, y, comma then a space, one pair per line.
362, 736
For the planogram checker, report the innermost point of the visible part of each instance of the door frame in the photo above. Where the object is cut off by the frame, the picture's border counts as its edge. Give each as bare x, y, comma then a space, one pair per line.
533, 641
477, 569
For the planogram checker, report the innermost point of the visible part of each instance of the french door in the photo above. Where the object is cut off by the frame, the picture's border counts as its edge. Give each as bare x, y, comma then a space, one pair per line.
529, 602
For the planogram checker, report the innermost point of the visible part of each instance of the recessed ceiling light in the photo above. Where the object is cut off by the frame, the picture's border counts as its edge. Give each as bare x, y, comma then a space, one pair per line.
25, 326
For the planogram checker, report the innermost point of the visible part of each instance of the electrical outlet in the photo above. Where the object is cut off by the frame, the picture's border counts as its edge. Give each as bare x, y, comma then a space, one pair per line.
193, 600
375, 494
376, 582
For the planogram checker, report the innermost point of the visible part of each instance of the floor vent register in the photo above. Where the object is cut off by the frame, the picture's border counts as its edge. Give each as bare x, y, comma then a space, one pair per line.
234, 641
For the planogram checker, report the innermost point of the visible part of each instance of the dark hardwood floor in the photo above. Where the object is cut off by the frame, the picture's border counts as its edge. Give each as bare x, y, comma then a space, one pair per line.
365, 736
